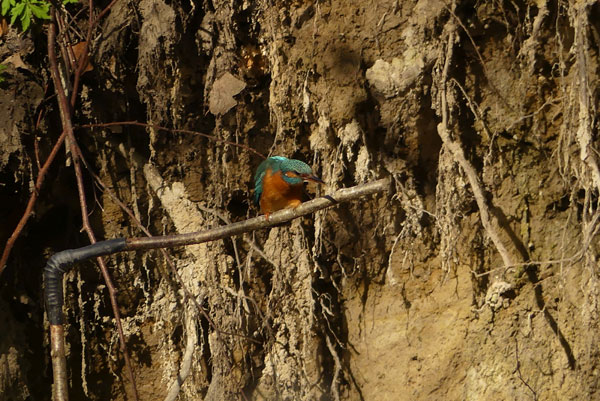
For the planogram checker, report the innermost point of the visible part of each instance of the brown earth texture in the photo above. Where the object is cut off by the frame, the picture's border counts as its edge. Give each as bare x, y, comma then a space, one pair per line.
475, 277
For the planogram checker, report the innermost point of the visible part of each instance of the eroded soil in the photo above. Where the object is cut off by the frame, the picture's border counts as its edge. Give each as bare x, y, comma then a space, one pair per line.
476, 279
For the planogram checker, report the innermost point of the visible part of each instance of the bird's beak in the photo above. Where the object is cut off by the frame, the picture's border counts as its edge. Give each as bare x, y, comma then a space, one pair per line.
313, 178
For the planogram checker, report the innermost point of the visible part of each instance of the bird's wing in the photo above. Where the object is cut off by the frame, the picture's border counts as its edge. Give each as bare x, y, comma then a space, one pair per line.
258, 187
259, 178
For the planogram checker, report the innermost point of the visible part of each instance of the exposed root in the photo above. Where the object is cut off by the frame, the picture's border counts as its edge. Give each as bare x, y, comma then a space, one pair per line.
588, 155
186, 362
455, 148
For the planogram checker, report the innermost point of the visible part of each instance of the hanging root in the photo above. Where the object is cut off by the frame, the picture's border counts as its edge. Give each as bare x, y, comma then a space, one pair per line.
455, 148
588, 154
186, 362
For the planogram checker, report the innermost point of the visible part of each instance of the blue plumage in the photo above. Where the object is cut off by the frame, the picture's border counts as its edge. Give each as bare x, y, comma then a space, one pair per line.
283, 164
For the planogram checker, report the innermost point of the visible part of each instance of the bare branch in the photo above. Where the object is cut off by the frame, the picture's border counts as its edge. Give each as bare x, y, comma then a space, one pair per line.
32, 198
65, 116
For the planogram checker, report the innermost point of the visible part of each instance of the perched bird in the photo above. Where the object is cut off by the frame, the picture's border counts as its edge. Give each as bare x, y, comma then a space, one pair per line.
278, 183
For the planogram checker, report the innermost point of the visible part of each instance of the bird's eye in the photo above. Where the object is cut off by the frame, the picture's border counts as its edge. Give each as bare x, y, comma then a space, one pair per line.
291, 174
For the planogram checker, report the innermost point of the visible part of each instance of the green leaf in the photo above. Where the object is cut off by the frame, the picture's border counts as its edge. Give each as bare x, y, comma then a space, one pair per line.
70, 1
26, 18
27, 11
40, 10
15, 12
5, 5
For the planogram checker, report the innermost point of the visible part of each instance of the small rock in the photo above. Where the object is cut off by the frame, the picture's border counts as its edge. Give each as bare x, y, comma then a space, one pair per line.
391, 79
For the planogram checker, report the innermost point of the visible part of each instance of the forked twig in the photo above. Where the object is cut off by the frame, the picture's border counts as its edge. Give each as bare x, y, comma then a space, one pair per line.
44, 169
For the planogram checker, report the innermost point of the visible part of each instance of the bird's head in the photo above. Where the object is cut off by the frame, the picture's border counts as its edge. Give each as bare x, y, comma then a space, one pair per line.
293, 172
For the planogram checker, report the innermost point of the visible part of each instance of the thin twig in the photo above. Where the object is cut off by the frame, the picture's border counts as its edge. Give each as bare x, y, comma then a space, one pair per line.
44, 169
188, 296
172, 130
518, 370
485, 71
65, 114
32, 198
103, 12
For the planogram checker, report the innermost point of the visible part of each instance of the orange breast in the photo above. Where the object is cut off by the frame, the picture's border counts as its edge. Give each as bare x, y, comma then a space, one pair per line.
278, 194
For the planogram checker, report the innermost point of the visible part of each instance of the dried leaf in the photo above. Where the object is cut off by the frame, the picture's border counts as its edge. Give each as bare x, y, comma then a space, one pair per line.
221, 96
16, 61
78, 52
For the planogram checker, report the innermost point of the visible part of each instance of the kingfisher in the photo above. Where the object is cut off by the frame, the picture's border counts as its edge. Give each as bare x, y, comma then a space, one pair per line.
278, 183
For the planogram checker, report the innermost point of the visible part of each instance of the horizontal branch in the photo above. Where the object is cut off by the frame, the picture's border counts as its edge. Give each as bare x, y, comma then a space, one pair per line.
257, 223
62, 262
